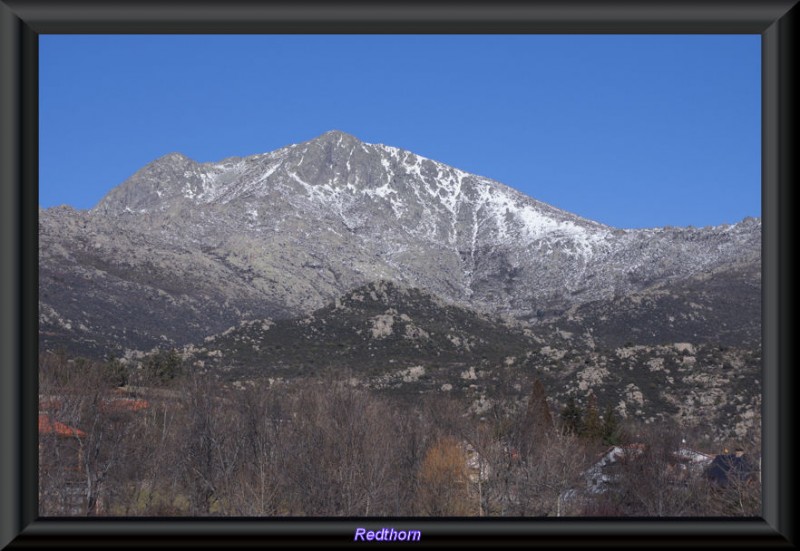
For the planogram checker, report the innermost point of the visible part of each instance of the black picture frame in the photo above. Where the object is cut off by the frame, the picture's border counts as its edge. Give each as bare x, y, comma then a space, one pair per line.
21, 21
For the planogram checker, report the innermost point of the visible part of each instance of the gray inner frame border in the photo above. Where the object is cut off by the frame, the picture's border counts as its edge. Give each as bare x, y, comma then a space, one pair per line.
21, 21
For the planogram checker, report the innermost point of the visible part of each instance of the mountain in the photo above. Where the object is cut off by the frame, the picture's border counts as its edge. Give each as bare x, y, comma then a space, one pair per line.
182, 250
721, 306
372, 330
403, 341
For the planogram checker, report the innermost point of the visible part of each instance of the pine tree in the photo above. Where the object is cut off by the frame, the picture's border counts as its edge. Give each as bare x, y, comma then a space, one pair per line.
538, 422
163, 366
538, 409
592, 426
571, 417
117, 372
610, 426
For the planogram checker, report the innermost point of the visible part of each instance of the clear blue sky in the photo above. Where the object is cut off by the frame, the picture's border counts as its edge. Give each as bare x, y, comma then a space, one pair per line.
632, 131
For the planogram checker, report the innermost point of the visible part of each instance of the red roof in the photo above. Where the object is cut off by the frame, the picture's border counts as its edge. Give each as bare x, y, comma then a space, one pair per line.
46, 426
114, 404
124, 404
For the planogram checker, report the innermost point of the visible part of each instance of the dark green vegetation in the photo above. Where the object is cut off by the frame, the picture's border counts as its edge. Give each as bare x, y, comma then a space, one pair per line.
719, 307
374, 331
404, 342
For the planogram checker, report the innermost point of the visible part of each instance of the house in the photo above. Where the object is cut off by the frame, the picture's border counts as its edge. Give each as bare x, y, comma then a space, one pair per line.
67, 476
684, 463
693, 457
600, 475
61, 484
49, 426
477, 467
688, 464
123, 404
731, 468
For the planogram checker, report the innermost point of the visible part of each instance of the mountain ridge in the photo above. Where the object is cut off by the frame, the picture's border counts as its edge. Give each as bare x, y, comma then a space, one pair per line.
282, 233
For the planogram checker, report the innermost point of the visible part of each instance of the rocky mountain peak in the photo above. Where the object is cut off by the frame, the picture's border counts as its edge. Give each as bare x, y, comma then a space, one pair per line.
174, 157
337, 137
285, 232
145, 189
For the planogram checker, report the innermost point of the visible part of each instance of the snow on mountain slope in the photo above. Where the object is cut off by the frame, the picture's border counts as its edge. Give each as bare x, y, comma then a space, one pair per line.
386, 176
284, 232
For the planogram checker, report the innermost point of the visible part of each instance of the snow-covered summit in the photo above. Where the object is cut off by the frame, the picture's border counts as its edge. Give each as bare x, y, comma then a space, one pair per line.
337, 174
335, 211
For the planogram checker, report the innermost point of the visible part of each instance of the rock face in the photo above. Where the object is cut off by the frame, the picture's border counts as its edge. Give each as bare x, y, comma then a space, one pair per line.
183, 250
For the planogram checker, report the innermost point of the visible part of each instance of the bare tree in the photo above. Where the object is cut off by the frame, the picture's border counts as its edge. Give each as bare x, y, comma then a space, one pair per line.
257, 484
78, 392
651, 480
539, 480
344, 455
210, 445
443, 480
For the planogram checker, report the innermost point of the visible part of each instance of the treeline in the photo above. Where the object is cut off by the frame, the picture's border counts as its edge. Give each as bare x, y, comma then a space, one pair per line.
187, 445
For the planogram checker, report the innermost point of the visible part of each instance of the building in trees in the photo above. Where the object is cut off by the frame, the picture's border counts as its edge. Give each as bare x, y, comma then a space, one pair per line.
60, 467
726, 469
608, 471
